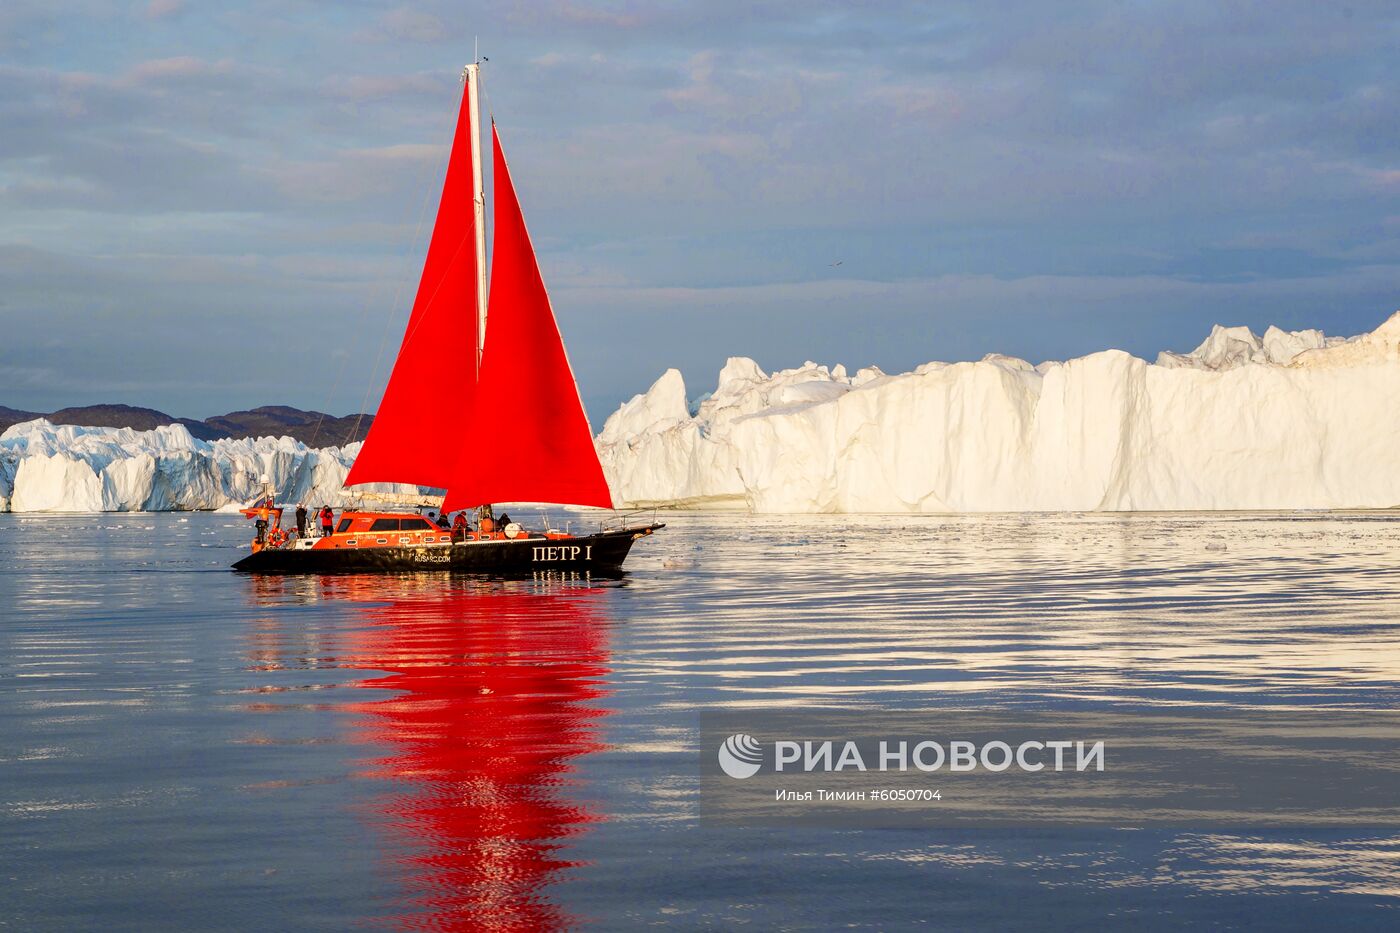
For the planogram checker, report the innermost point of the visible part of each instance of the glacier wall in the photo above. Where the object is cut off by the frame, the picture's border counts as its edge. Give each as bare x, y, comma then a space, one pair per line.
1289, 420
64, 468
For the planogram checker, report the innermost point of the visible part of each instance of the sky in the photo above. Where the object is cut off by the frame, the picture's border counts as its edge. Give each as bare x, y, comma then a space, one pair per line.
212, 206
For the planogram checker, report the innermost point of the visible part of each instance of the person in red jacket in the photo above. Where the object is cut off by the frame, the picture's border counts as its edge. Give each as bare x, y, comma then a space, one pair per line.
327, 521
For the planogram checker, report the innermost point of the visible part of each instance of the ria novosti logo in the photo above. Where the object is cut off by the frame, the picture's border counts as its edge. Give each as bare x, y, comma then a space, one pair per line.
740, 756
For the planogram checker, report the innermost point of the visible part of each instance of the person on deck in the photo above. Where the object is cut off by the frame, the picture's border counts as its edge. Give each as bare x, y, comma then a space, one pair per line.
301, 519
442, 521
459, 526
263, 514
327, 521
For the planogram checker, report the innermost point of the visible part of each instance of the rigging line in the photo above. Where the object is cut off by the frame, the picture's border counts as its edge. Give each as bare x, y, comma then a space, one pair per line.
398, 288
578, 393
394, 311
427, 305
340, 371
486, 97
372, 299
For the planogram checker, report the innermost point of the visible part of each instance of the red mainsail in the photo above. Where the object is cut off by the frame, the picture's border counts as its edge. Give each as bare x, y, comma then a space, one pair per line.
424, 416
535, 442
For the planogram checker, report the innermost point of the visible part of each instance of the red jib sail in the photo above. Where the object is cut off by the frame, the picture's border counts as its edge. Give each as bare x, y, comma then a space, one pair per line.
424, 415
531, 441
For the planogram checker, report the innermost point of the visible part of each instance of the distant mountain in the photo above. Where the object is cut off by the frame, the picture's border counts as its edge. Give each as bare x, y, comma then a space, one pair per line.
313, 428
276, 420
125, 416
9, 416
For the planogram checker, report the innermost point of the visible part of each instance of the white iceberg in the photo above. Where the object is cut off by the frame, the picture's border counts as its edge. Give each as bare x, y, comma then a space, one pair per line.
1292, 420
65, 468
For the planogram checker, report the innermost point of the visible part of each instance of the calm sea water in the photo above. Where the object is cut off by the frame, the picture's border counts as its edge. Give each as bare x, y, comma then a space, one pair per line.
186, 748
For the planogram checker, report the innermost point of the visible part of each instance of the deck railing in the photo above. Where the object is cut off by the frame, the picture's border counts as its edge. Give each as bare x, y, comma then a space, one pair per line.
628, 520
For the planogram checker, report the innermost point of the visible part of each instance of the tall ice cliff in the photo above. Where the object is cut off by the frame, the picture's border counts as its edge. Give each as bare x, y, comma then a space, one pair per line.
1290, 420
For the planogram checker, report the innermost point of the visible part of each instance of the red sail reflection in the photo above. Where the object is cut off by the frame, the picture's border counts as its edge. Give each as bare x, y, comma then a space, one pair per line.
495, 694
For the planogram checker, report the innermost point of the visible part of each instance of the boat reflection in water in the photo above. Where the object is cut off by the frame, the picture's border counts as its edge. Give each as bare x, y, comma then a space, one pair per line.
485, 696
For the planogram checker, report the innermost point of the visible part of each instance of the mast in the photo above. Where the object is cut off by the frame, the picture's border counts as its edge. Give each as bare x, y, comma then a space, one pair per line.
431, 409
550, 457
472, 75
426, 399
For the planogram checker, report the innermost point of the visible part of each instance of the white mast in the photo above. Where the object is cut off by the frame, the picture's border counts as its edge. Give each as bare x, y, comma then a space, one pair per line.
472, 75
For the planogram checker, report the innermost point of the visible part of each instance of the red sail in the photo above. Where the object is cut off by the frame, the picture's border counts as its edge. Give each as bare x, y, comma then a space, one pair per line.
531, 440
428, 398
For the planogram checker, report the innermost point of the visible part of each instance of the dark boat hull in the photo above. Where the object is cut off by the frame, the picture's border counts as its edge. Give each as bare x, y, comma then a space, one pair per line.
598, 553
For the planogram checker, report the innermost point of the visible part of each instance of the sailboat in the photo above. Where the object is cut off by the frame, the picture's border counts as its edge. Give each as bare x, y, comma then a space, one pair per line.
481, 402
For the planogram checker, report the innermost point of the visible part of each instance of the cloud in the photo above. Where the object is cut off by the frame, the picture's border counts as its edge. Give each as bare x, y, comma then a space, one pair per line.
592, 15
412, 25
164, 9
1015, 179
362, 88
130, 325
899, 325
180, 68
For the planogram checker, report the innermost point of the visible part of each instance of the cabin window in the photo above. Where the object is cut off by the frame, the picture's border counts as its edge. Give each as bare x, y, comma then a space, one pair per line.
343, 527
417, 524
385, 524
